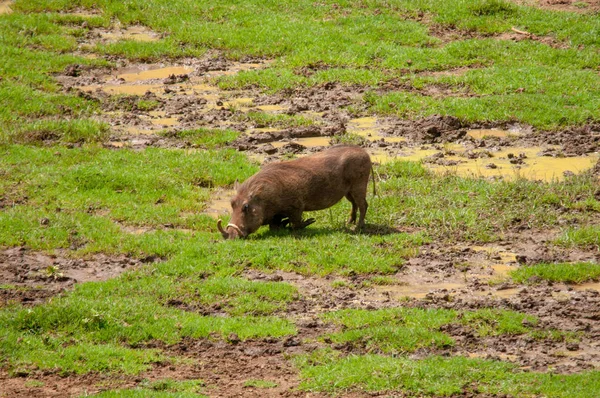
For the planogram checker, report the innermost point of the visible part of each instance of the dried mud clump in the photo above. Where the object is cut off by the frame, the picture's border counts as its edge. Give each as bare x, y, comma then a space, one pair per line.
433, 129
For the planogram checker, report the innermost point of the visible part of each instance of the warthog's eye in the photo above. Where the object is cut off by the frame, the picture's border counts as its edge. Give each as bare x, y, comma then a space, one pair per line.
245, 208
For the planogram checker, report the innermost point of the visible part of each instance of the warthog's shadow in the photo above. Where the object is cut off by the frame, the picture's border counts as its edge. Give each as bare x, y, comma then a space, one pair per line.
312, 231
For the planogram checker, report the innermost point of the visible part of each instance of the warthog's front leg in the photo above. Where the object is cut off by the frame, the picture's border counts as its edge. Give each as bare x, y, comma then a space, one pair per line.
297, 221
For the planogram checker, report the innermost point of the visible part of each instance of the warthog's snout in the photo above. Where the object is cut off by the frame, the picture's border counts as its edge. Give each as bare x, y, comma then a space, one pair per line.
234, 231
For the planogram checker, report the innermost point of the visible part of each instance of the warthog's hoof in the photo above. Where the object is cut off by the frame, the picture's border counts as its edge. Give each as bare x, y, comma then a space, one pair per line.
305, 223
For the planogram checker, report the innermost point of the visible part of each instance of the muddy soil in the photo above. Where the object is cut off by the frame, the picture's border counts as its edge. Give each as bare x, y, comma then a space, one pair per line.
148, 104
30, 278
467, 278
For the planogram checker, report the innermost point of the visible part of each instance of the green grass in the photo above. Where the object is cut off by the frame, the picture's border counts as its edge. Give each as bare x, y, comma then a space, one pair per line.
582, 236
205, 138
87, 194
561, 272
488, 322
474, 209
402, 330
263, 119
438, 376
365, 44
91, 328
238, 296
392, 331
165, 388
349, 139
260, 384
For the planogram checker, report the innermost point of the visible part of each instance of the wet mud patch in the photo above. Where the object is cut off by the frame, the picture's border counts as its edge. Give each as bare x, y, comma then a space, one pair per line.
31, 278
229, 368
151, 104
219, 205
563, 339
48, 384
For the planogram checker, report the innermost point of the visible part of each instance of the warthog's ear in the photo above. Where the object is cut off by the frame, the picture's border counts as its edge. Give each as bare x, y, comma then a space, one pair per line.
236, 185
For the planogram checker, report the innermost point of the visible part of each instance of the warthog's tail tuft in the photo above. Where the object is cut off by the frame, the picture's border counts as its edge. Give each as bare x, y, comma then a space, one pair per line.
373, 175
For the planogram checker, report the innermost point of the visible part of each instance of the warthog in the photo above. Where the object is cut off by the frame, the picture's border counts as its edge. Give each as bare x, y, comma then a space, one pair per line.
280, 192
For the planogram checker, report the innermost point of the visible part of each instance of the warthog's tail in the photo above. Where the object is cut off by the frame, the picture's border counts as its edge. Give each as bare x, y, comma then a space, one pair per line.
373, 175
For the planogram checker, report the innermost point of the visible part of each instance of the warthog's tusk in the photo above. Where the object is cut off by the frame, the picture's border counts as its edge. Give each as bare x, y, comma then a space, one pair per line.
236, 228
221, 230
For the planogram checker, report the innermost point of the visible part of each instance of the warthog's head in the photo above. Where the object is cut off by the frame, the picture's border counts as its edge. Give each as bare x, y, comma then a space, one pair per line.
246, 216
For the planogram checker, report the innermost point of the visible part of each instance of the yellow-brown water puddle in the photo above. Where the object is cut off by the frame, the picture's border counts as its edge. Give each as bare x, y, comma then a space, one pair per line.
534, 167
480, 134
498, 258
587, 286
502, 356
215, 101
415, 290
136, 74
137, 33
220, 204
261, 130
271, 108
125, 89
309, 142
367, 127
139, 131
5, 7
158, 118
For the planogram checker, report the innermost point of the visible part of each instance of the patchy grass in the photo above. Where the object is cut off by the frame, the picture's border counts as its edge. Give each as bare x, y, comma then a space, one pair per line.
583, 236
88, 193
87, 199
402, 330
367, 45
473, 209
437, 376
237, 296
263, 119
392, 331
166, 388
348, 139
260, 384
561, 272
205, 138
488, 322
83, 331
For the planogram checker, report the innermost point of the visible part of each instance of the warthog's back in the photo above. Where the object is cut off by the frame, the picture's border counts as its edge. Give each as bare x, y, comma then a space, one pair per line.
321, 180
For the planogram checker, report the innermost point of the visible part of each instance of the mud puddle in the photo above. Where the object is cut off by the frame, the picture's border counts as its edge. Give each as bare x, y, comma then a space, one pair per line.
30, 278
568, 355
136, 33
220, 204
186, 96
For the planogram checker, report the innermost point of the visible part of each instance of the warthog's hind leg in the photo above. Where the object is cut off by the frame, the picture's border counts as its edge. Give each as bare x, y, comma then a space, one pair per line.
352, 218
